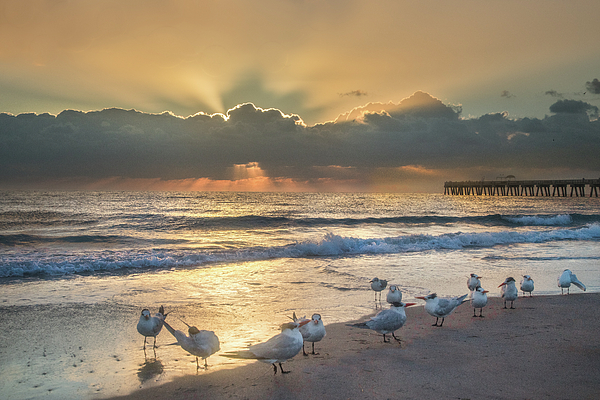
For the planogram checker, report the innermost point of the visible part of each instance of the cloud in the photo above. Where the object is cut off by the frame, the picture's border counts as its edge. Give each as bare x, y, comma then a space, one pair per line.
507, 94
420, 104
574, 107
593, 86
252, 87
553, 93
412, 145
357, 93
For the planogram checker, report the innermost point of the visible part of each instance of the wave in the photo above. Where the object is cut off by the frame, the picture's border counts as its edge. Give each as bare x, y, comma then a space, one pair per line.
540, 220
255, 221
331, 245
19, 221
32, 240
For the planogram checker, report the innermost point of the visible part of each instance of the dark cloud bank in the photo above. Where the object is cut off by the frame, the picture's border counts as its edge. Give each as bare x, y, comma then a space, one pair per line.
374, 140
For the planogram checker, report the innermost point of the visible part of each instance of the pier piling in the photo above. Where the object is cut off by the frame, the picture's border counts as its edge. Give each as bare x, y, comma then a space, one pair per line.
533, 188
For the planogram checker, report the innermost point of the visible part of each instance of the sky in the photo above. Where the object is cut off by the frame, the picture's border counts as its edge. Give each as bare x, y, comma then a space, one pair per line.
310, 95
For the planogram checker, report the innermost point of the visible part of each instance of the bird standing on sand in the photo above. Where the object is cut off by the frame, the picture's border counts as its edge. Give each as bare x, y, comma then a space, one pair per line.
479, 300
387, 321
509, 291
200, 343
151, 326
473, 282
527, 285
394, 295
277, 349
313, 331
378, 285
439, 307
566, 278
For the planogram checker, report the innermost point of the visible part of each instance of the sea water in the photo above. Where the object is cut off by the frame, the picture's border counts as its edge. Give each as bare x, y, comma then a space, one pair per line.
241, 264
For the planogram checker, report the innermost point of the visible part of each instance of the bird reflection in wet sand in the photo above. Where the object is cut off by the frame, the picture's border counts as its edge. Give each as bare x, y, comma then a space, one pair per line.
149, 370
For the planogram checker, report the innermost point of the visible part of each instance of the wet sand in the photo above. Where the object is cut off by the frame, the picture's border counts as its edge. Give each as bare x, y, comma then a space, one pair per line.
548, 347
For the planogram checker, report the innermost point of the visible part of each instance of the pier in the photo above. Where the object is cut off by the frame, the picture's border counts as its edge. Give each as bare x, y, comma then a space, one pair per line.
511, 187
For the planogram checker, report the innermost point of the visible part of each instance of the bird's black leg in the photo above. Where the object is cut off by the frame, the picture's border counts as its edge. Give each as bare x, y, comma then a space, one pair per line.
304, 352
154, 341
511, 305
474, 313
442, 322
282, 371
313, 349
274, 369
480, 313
385, 341
436, 321
505, 304
397, 339
144, 342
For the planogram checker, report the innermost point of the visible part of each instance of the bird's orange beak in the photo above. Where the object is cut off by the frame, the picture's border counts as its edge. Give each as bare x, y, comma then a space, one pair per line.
485, 291
502, 284
420, 297
409, 304
302, 323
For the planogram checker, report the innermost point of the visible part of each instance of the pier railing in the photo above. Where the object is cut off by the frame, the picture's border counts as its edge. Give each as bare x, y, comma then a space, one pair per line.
560, 188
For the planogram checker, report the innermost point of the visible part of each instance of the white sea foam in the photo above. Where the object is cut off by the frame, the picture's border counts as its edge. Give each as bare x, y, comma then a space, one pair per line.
536, 220
331, 245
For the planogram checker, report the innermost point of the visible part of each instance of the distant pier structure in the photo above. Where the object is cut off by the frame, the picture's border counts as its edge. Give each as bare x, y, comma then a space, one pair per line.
513, 187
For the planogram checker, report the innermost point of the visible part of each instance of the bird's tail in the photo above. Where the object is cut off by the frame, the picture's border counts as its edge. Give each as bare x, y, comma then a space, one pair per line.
577, 282
246, 354
462, 298
169, 328
161, 311
362, 325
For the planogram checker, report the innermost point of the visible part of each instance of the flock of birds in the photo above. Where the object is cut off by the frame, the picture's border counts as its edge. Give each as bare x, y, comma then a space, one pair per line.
290, 341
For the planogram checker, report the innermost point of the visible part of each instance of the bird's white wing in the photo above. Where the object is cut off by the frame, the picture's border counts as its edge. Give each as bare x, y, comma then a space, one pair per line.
577, 282
182, 338
444, 307
207, 342
279, 347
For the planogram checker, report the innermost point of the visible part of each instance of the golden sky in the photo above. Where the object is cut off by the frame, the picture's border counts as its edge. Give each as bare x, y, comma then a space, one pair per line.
504, 67
314, 58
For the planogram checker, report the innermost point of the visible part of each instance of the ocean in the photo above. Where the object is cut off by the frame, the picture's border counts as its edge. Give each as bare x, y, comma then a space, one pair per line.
240, 264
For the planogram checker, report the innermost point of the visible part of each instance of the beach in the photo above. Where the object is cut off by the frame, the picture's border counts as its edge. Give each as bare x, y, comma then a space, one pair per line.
547, 347
77, 268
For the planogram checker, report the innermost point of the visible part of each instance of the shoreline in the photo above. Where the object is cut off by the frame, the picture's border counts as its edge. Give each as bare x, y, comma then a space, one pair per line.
548, 347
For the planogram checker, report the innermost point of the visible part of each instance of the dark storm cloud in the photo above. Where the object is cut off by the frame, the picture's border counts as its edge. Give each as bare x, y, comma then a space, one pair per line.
574, 107
593, 86
419, 131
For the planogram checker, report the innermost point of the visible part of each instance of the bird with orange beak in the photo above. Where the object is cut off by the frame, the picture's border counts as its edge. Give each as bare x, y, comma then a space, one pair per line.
313, 332
277, 349
439, 307
479, 300
509, 291
387, 321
